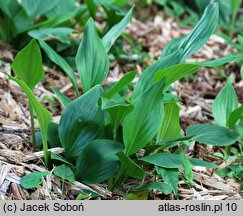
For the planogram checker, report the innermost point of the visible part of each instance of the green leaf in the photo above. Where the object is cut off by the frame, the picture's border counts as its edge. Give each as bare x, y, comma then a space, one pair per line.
117, 3
64, 172
59, 34
111, 36
166, 160
128, 168
193, 41
142, 124
139, 195
225, 102
236, 5
92, 6
125, 80
27, 65
176, 72
170, 124
187, 166
52, 135
37, 7
212, 134
202, 163
82, 121
57, 59
235, 116
19, 18
82, 197
165, 144
98, 161
117, 111
64, 6
160, 186
114, 14
61, 97
91, 59
52, 22
170, 176
43, 115
33, 179
172, 161
146, 79
61, 159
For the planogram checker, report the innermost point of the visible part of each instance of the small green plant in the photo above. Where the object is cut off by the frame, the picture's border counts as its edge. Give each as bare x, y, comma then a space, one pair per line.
228, 112
109, 137
229, 12
19, 17
27, 65
96, 49
55, 20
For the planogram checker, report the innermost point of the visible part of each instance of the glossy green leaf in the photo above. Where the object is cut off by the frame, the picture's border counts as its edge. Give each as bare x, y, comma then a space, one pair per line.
14, 19
27, 65
91, 59
146, 79
43, 115
59, 34
176, 72
225, 102
187, 167
59, 158
64, 172
170, 176
82, 121
165, 144
65, 6
98, 161
57, 59
52, 135
141, 125
166, 160
37, 7
193, 41
235, 117
116, 110
125, 80
61, 97
170, 124
52, 22
129, 168
111, 36
212, 134
33, 179
202, 163
172, 160
160, 186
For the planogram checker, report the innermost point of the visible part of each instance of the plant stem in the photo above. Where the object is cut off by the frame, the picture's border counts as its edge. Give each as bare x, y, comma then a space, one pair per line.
32, 127
46, 155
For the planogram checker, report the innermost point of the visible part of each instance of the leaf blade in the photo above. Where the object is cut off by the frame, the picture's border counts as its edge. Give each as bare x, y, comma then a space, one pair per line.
91, 60
27, 65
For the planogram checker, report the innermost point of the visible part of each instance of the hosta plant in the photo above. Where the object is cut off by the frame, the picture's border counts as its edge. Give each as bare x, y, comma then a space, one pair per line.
109, 136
